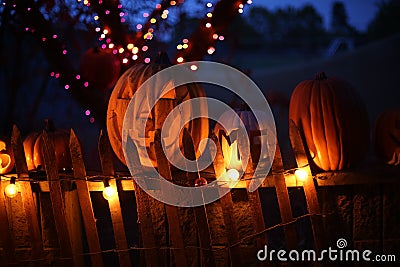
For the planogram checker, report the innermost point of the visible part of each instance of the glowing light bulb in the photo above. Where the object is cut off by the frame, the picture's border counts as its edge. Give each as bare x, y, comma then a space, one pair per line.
193, 67
11, 190
208, 25
301, 174
179, 59
211, 50
200, 181
233, 174
109, 192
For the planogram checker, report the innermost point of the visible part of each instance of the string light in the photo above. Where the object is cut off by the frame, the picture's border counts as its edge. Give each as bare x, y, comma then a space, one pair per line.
193, 67
233, 174
301, 174
211, 50
11, 189
108, 192
200, 182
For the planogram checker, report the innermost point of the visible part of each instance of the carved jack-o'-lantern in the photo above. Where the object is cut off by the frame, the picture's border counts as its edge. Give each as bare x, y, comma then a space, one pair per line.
228, 136
33, 147
121, 96
6, 158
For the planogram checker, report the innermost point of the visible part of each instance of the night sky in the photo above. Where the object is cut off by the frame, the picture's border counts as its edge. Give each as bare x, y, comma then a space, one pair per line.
360, 12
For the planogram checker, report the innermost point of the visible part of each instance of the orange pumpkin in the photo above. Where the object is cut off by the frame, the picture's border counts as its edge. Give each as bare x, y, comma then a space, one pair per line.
6, 158
333, 120
123, 92
33, 147
386, 136
100, 67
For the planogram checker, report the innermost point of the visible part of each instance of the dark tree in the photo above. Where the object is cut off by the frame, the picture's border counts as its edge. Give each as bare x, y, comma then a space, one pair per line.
386, 21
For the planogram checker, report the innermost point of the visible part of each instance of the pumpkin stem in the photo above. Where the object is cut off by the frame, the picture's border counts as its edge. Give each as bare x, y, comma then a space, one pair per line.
49, 125
162, 58
319, 76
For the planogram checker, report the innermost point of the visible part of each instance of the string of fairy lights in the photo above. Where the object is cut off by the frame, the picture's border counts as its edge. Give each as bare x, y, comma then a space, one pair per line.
130, 52
229, 178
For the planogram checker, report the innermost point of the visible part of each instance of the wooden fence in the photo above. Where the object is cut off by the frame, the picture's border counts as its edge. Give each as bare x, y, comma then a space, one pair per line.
72, 212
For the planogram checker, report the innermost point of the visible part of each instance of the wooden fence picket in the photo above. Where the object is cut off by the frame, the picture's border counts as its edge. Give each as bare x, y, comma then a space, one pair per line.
308, 185
85, 201
114, 203
175, 230
6, 237
284, 200
162, 108
152, 253
57, 201
200, 213
27, 196
227, 209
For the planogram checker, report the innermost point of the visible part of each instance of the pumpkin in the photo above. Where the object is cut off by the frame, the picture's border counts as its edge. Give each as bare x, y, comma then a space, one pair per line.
256, 131
121, 95
33, 147
100, 67
333, 121
386, 136
6, 158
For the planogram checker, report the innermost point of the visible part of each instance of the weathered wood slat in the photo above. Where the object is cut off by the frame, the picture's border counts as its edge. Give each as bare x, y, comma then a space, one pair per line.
114, 204
175, 230
284, 200
152, 254
254, 197
308, 185
200, 213
161, 110
6, 236
85, 201
227, 209
57, 200
27, 196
